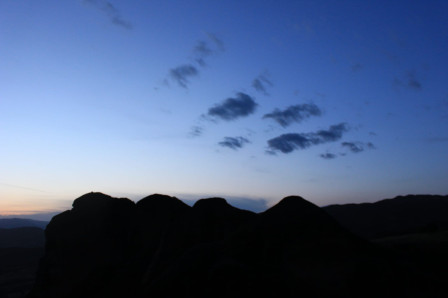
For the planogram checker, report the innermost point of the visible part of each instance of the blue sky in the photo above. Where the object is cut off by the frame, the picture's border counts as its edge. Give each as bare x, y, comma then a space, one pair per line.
336, 101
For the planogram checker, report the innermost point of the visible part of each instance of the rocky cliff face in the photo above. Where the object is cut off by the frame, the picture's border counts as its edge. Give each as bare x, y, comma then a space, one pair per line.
161, 247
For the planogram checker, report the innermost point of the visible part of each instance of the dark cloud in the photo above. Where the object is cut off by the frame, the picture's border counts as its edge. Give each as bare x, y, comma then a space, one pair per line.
289, 142
410, 81
296, 113
334, 133
357, 147
181, 74
261, 83
111, 12
206, 48
234, 142
328, 156
353, 147
232, 108
217, 41
202, 50
196, 131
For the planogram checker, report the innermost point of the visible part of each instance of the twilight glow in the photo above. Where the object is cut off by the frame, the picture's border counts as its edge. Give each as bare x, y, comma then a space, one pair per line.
333, 101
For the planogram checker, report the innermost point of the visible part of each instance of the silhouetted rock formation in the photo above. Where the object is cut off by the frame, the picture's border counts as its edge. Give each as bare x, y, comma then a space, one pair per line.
161, 247
401, 215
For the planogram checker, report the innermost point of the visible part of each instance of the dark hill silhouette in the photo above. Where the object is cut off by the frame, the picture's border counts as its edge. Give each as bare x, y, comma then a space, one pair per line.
415, 227
20, 251
18, 267
160, 247
401, 215
22, 237
10, 223
155, 202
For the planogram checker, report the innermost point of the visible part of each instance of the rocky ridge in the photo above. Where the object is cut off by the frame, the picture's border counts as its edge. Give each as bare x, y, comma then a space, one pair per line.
161, 247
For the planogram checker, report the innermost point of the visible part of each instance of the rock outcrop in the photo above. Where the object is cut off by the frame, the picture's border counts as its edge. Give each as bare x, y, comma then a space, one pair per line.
161, 247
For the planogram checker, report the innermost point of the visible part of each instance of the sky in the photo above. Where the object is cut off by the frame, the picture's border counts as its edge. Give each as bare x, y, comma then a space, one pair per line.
335, 101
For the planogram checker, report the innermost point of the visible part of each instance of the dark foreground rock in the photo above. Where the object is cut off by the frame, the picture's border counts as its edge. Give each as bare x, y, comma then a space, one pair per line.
161, 247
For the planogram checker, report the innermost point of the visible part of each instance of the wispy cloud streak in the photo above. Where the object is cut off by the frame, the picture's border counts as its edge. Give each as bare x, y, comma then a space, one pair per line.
328, 156
410, 81
183, 73
201, 52
357, 147
261, 83
295, 113
207, 48
234, 143
111, 12
196, 131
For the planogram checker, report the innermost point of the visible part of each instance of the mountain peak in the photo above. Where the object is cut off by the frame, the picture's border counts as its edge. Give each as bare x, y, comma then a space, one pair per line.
158, 201
293, 205
295, 214
93, 196
98, 200
145, 249
211, 203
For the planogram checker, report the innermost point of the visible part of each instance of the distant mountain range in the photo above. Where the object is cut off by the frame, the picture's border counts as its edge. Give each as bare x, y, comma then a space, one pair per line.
10, 223
392, 217
161, 247
39, 216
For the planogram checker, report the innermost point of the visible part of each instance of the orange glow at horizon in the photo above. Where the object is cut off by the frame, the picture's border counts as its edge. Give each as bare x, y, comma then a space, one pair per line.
7, 209
20, 203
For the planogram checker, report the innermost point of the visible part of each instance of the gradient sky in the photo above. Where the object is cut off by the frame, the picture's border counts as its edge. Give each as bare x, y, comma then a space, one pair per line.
336, 101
